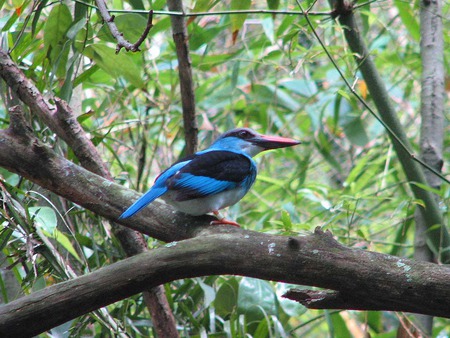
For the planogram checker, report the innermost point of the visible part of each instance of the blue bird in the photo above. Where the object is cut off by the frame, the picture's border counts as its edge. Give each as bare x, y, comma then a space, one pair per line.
214, 178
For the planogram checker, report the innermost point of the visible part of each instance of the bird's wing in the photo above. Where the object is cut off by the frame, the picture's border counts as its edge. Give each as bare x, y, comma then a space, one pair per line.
212, 172
145, 199
158, 189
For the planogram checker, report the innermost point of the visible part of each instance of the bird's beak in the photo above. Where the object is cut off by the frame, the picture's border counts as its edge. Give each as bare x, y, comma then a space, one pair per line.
273, 142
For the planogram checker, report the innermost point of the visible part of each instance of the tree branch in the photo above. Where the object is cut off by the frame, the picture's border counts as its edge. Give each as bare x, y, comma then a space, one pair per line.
379, 281
25, 155
121, 41
180, 37
363, 279
59, 118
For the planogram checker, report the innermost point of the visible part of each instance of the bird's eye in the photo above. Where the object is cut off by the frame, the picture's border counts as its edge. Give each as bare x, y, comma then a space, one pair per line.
244, 134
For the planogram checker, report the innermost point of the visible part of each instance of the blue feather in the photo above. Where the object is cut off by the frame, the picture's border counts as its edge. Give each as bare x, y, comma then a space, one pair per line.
158, 189
147, 198
201, 185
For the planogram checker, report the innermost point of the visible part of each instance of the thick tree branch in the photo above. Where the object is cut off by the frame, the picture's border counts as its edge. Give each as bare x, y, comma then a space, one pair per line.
363, 279
180, 37
59, 118
438, 237
27, 156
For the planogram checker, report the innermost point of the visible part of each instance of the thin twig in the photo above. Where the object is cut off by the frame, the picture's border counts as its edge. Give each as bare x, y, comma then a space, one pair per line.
121, 41
210, 13
146, 31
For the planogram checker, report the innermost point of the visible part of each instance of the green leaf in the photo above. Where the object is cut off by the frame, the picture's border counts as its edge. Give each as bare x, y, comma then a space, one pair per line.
356, 132
117, 65
203, 5
304, 88
85, 116
201, 36
58, 23
276, 96
11, 21
340, 328
73, 31
37, 14
273, 4
286, 219
324, 145
428, 188
237, 20
358, 169
267, 24
5, 235
85, 75
409, 17
226, 297
205, 63
132, 26
256, 295
375, 321
62, 239
208, 292
44, 217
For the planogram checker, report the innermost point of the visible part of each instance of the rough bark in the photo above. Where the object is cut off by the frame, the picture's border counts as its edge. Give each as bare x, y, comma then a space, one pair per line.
432, 113
58, 117
362, 279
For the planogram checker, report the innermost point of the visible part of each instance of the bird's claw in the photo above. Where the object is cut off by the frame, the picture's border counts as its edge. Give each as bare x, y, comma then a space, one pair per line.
225, 221
222, 220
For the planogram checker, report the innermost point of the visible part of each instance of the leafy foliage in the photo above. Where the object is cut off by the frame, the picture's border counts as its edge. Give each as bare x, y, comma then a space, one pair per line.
261, 70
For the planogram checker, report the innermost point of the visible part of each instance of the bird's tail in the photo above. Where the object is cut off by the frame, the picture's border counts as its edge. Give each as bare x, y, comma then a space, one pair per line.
145, 199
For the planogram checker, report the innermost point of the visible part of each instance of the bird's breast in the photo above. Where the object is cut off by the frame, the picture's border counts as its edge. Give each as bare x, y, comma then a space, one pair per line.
204, 205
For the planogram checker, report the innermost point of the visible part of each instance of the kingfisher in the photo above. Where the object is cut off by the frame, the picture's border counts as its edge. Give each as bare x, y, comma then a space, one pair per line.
214, 178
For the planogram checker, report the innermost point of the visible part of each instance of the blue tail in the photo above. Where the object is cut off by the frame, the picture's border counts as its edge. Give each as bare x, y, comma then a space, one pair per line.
145, 199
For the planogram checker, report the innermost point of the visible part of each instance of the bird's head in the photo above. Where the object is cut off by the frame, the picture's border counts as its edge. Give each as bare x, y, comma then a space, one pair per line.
250, 142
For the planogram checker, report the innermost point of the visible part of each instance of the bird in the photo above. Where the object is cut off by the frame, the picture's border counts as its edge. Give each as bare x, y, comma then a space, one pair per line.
214, 178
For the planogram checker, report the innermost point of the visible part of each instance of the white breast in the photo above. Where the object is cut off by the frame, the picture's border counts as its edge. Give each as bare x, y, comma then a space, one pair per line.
204, 205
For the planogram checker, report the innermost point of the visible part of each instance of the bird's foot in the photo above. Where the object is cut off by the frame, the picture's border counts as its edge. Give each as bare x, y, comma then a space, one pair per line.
222, 220
225, 221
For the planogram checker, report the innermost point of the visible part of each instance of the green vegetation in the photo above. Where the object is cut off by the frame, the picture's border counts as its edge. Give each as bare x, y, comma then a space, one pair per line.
262, 70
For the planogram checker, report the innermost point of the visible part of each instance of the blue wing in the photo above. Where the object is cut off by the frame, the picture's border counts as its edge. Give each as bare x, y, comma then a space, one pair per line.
158, 189
142, 202
212, 172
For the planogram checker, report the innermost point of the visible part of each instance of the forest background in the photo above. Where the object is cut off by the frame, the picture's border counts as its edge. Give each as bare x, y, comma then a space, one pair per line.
363, 86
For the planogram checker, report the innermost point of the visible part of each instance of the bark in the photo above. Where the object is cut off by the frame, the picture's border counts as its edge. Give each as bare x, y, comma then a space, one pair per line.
432, 113
121, 41
59, 117
361, 279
